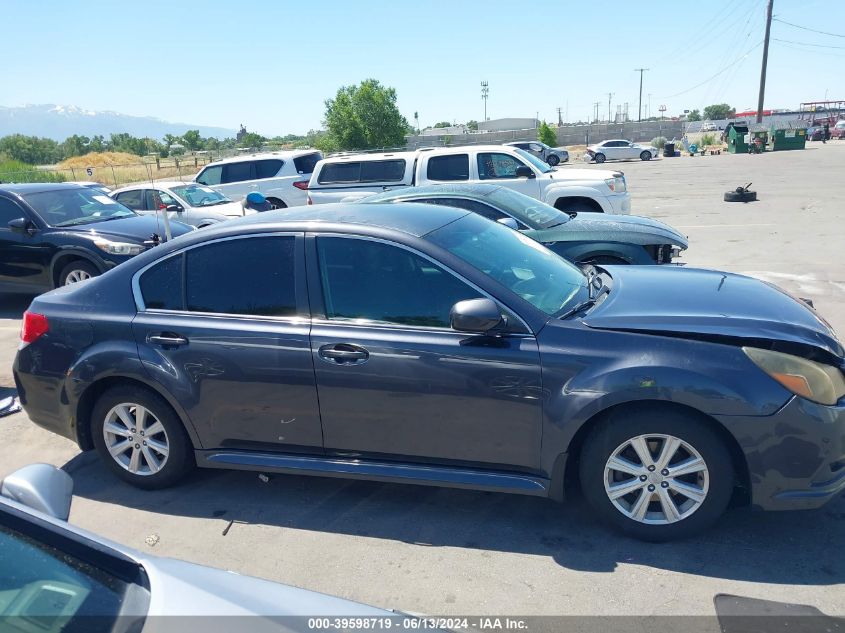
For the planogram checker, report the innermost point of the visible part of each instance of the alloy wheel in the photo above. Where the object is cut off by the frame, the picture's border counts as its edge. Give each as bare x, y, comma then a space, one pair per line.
76, 276
656, 479
136, 439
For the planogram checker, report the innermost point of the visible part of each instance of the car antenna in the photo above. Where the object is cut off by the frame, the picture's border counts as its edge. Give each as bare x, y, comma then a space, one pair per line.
167, 234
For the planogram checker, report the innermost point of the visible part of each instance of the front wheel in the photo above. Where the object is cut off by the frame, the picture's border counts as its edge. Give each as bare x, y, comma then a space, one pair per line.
77, 271
140, 438
600, 158
656, 475
553, 160
645, 155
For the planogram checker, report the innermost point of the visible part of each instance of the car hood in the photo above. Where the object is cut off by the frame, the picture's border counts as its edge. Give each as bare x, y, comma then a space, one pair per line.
230, 209
667, 300
568, 174
136, 228
603, 227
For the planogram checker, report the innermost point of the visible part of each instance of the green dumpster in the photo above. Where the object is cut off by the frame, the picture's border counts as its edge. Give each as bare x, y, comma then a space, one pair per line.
735, 134
788, 135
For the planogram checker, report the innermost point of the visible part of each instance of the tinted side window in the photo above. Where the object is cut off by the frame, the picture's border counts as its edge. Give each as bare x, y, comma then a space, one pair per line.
382, 171
267, 168
211, 175
379, 282
476, 207
448, 167
340, 172
9, 211
237, 172
305, 164
252, 276
132, 199
493, 165
161, 285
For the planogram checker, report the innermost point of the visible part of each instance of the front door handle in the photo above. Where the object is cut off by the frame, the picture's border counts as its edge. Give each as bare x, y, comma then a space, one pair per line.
343, 354
167, 339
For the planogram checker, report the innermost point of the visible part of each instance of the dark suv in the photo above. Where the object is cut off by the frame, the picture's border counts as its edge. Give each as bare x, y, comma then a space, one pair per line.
56, 234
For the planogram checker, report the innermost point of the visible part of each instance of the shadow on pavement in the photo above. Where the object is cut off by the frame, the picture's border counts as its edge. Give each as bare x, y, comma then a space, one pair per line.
12, 306
801, 548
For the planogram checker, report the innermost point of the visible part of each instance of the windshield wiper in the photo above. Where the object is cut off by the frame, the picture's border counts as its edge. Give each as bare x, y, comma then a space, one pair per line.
592, 275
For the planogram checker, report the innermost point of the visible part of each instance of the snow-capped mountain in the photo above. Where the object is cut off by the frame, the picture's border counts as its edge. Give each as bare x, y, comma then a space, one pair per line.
60, 121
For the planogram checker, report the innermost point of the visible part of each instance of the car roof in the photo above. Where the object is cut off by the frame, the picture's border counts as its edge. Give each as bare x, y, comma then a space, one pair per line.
479, 190
37, 187
413, 219
369, 157
281, 154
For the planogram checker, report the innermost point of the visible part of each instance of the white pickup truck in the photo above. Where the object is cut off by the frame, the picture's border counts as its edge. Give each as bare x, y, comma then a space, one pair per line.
353, 176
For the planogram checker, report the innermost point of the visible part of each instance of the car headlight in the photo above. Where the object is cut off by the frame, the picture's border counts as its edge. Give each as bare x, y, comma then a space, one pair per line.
814, 381
617, 184
118, 248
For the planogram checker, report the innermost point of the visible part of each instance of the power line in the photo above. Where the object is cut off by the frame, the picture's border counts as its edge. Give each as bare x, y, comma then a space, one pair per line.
805, 28
807, 44
712, 77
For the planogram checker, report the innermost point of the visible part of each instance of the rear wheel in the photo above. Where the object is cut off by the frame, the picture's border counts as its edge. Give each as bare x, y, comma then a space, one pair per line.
656, 475
553, 160
140, 438
276, 203
600, 158
645, 155
76, 271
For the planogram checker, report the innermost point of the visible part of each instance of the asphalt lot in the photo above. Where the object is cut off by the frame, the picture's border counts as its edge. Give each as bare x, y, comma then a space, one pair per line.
443, 551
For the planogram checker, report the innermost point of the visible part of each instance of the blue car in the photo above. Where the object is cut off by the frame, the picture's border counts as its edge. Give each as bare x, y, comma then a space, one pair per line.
429, 345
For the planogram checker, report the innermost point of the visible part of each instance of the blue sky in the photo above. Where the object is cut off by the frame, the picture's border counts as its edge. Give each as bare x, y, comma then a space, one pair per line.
271, 64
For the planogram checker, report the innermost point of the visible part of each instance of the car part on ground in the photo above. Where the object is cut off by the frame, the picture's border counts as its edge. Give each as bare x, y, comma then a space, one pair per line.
741, 194
581, 370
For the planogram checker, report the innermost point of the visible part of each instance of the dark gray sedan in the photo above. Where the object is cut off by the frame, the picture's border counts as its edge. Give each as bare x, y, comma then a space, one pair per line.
426, 344
585, 238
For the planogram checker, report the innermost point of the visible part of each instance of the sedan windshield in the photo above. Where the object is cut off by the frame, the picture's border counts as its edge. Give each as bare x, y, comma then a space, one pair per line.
529, 211
519, 263
538, 164
198, 196
67, 207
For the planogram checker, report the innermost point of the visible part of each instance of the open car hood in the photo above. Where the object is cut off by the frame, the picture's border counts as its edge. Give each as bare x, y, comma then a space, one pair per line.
603, 227
716, 305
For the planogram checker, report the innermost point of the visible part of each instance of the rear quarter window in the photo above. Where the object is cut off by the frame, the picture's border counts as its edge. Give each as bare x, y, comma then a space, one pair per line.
161, 285
211, 175
363, 171
305, 164
267, 168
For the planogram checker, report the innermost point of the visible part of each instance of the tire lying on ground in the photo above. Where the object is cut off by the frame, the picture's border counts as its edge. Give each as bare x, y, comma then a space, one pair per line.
740, 196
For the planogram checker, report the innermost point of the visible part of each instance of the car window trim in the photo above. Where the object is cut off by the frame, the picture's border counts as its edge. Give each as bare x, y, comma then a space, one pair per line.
299, 279
321, 317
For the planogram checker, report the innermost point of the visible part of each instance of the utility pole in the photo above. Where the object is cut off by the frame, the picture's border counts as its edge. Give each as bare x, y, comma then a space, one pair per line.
559, 119
640, 109
485, 90
648, 111
596, 105
765, 61
609, 97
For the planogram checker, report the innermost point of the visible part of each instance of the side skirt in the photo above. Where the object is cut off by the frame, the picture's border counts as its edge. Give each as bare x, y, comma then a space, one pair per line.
424, 474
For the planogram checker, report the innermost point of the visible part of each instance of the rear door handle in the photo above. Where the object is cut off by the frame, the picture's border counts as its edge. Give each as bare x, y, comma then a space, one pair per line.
167, 339
343, 354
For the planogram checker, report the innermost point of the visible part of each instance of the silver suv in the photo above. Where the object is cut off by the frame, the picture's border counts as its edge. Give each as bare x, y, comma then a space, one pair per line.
552, 155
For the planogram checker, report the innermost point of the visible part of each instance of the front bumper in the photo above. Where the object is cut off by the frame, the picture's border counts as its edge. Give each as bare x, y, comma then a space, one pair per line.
796, 457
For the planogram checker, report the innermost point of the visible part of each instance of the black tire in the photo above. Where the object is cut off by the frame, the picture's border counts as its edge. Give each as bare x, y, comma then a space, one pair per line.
745, 196
276, 203
553, 160
623, 425
77, 268
645, 155
179, 460
600, 158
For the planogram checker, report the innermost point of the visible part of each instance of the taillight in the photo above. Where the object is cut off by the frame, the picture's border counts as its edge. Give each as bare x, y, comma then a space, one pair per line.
301, 184
34, 326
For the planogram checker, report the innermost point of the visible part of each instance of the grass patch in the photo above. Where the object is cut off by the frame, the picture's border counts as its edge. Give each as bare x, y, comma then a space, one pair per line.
16, 171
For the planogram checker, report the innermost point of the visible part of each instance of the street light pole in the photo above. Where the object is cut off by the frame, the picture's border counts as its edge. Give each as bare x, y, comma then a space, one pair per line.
640, 108
485, 90
609, 97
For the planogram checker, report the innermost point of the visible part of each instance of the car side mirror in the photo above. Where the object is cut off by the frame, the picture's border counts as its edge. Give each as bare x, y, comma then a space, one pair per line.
478, 316
524, 172
41, 487
174, 208
509, 222
22, 225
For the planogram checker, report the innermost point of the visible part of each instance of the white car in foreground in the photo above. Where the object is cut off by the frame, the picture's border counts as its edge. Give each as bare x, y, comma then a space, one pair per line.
619, 149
